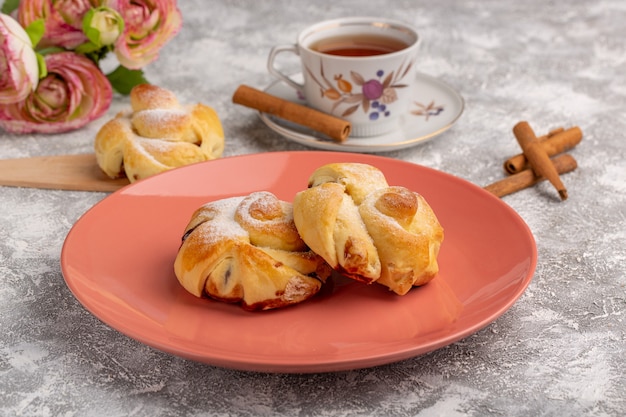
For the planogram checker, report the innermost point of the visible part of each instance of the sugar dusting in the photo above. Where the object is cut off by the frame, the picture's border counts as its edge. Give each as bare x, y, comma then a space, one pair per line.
223, 225
267, 204
162, 116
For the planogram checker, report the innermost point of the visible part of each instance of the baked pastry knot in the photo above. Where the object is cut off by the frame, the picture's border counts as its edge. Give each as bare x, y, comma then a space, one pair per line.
368, 230
157, 134
247, 250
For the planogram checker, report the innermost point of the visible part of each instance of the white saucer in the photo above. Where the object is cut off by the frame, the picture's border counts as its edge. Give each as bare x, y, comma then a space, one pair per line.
436, 106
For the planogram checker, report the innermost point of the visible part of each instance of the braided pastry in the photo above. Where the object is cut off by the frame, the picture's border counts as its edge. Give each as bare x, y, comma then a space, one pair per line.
157, 134
368, 230
247, 250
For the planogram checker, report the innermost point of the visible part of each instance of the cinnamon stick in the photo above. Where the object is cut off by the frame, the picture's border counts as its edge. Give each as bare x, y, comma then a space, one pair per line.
333, 127
555, 142
537, 157
562, 163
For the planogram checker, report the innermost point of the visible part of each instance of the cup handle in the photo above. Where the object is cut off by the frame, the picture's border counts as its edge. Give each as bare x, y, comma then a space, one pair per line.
275, 72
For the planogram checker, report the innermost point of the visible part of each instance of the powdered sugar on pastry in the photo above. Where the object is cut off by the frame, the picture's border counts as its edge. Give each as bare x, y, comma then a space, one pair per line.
368, 230
246, 250
157, 134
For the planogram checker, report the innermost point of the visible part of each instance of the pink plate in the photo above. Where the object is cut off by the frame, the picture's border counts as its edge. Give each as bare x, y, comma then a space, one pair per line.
118, 261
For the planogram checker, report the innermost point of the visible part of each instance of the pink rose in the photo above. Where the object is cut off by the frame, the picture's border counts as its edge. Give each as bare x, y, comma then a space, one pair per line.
73, 93
63, 20
19, 71
148, 25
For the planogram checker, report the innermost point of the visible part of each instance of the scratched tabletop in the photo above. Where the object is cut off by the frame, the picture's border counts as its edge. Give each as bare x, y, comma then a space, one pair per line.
558, 351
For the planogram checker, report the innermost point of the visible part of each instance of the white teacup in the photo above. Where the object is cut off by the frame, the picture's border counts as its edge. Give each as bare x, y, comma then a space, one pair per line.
361, 69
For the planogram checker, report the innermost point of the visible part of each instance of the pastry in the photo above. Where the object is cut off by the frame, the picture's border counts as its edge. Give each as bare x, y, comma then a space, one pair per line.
247, 250
368, 230
156, 134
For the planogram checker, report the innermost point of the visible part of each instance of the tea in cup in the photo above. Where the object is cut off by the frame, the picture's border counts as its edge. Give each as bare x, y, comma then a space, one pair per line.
361, 69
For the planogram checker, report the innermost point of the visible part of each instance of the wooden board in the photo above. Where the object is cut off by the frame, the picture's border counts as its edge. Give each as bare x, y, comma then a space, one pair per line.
59, 172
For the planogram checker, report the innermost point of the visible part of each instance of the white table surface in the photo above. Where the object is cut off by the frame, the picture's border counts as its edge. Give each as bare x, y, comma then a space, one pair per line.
559, 351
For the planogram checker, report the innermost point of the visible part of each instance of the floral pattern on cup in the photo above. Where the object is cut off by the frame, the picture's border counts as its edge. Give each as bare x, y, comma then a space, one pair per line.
375, 96
427, 110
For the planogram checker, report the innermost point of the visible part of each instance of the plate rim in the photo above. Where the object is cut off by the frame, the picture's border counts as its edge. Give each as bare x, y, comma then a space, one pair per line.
328, 365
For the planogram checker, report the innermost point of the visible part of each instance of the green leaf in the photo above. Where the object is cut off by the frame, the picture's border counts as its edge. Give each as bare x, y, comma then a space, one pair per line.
86, 48
35, 31
50, 50
123, 79
9, 6
41, 63
92, 33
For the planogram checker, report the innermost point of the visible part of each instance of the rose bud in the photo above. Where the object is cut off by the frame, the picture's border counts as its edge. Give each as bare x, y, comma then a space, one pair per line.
73, 93
103, 26
148, 25
19, 71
